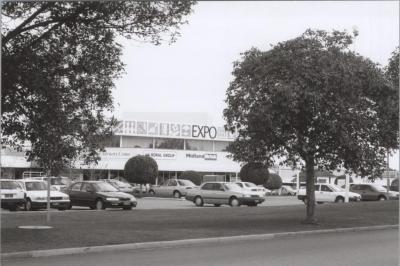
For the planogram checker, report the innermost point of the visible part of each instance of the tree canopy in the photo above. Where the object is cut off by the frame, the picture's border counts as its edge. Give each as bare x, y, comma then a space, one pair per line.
311, 101
59, 63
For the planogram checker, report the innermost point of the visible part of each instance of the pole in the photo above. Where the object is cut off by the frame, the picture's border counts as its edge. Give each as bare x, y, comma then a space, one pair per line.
387, 173
48, 199
297, 183
347, 186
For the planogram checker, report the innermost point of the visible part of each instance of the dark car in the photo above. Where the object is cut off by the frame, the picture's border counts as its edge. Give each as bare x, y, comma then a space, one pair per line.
370, 191
99, 195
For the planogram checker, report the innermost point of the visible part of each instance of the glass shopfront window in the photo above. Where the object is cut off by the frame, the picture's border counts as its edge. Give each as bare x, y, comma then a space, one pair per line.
137, 142
221, 145
199, 145
171, 144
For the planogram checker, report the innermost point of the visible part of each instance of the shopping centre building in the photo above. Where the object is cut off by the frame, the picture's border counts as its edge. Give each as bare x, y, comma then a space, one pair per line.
177, 141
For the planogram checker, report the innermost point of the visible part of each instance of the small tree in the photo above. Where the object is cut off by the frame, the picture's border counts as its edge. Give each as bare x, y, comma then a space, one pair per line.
256, 173
141, 170
193, 176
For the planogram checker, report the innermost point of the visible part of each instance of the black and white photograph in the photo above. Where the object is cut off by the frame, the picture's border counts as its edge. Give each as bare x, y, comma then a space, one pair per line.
199, 133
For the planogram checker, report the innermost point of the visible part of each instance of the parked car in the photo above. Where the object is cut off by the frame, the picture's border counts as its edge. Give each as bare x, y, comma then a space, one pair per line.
219, 193
12, 194
328, 193
121, 186
172, 188
371, 192
251, 187
288, 190
36, 195
99, 195
392, 193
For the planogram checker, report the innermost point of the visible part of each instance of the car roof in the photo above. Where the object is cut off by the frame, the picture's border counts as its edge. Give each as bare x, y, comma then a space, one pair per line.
8, 179
30, 180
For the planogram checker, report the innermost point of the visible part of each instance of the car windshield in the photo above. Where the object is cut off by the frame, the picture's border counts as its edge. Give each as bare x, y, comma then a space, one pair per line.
32, 186
249, 184
336, 188
379, 188
58, 181
9, 185
120, 184
232, 187
104, 187
186, 183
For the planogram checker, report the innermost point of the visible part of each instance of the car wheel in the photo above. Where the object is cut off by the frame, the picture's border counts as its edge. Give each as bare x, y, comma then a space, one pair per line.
69, 206
13, 209
217, 205
127, 208
252, 204
99, 205
234, 202
382, 198
61, 209
28, 205
339, 200
177, 194
151, 192
198, 201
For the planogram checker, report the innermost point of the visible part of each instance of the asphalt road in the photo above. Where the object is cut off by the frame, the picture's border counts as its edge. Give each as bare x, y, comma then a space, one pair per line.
357, 248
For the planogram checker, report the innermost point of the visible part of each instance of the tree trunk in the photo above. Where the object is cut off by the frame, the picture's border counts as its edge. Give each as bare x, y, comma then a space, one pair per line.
310, 192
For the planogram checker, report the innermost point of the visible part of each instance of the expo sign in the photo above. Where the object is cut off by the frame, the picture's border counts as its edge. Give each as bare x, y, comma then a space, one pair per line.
204, 132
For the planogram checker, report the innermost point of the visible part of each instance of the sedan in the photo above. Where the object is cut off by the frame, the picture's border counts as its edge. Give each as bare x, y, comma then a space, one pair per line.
99, 195
370, 191
172, 188
219, 193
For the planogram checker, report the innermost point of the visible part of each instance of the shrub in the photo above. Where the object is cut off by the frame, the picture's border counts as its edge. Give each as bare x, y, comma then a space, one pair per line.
274, 182
256, 173
193, 176
141, 170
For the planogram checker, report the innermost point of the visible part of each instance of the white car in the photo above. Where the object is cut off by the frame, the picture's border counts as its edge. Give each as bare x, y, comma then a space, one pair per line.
328, 193
12, 194
251, 187
172, 188
287, 190
36, 196
219, 193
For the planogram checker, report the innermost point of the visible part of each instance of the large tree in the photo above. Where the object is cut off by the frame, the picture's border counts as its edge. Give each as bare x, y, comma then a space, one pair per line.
312, 102
59, 63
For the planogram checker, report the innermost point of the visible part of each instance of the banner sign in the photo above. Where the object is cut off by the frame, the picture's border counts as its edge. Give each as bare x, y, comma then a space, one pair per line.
173, 130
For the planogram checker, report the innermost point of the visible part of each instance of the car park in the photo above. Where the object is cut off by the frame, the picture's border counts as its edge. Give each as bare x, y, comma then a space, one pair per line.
371, 192
99, 195
328, 193
172, 188
251, 187
219, 193
12, 194
121, 186
36, 196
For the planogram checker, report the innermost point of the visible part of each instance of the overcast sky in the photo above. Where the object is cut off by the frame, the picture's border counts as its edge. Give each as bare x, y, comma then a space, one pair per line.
193, 74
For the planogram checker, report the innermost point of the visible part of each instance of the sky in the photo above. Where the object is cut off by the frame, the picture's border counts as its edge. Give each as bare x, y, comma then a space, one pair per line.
192, 74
